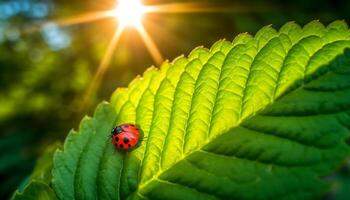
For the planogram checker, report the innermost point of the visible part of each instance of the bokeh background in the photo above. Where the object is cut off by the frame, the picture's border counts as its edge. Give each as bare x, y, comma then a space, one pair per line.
45, 72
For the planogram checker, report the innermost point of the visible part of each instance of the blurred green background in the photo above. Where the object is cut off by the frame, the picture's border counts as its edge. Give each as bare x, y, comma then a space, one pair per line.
45, 73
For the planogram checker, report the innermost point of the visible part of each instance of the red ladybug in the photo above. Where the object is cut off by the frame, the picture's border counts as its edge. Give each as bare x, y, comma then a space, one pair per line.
125, 136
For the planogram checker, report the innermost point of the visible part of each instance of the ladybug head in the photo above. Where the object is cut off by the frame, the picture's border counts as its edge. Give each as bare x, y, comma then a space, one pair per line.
117, 130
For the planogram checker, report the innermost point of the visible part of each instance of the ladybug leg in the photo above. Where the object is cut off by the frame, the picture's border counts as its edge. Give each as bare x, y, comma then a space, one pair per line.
143, 139
109, 136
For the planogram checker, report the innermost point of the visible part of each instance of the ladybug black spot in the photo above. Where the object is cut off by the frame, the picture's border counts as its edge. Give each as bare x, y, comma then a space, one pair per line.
121, 146
129, 145
126, 140
116, 139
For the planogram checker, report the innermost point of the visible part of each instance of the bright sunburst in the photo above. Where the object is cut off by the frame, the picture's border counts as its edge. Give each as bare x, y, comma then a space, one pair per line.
129, 13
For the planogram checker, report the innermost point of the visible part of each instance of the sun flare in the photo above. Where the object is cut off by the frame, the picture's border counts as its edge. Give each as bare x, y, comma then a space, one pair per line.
129, 13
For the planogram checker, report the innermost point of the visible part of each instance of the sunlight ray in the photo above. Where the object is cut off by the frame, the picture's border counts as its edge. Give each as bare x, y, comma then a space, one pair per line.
96, 81
192, 7
79, 19
151, 46
84, 18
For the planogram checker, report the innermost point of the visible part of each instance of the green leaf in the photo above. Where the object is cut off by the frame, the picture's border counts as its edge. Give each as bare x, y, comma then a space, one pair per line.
38, 185
262, 117
43, 167
88, 167
36, 190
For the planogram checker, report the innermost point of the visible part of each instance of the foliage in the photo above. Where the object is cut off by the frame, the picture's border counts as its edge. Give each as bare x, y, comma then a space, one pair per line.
37, 186
263, 117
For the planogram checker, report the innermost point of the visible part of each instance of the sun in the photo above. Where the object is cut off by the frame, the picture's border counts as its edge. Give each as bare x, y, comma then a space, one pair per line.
129, 13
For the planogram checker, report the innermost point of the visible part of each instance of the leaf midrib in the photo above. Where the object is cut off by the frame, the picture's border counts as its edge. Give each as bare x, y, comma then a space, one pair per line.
154, 111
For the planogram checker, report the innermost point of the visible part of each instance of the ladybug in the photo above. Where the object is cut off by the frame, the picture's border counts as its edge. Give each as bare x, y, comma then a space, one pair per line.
125, 136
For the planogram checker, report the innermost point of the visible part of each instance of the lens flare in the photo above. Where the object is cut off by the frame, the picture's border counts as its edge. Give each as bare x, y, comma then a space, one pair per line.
129, 13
